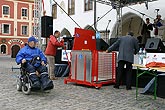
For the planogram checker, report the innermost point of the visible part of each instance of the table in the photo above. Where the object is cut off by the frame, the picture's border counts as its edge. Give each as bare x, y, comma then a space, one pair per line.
151, 70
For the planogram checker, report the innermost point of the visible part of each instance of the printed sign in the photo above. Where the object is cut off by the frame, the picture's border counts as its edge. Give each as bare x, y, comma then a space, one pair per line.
155, 57
65, 56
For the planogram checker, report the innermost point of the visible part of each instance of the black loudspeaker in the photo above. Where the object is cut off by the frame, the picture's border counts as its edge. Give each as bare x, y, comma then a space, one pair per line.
58, 57
46, 26
161, 85
154, 45
101, 45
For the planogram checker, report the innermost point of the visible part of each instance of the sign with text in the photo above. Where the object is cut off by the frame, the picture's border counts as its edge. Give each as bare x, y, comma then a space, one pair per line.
155, 57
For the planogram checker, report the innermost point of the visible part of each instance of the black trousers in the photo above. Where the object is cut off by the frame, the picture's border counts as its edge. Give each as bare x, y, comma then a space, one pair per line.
128, 71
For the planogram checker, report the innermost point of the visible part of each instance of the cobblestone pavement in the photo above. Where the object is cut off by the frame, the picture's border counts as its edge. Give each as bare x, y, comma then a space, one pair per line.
69, 96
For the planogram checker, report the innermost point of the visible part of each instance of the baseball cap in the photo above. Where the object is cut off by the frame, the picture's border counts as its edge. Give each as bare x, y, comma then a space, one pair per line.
32, 38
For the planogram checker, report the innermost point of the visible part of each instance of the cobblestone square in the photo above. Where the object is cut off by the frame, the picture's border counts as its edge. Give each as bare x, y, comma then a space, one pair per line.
69, 96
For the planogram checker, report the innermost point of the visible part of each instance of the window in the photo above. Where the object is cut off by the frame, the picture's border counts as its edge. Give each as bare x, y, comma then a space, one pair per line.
88, 5
24, 12
54, 11
6, 28
6, 10
24, 30
71, 7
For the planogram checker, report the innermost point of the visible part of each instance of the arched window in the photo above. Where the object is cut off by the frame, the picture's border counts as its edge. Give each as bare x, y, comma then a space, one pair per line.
65, 32
3, 49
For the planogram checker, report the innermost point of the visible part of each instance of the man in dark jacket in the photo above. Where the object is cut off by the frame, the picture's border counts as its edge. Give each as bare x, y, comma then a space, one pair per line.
128, 46
146, 31
34, 60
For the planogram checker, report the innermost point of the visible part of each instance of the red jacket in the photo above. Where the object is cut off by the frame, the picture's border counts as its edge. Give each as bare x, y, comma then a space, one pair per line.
52, 46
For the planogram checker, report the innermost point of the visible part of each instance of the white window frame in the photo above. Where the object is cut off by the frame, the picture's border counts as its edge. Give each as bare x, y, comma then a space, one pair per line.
3, 28
8, 10
26, 12
22, 30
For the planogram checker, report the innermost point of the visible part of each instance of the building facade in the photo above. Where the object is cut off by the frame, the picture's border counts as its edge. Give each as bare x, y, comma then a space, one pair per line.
85, 13
16, 25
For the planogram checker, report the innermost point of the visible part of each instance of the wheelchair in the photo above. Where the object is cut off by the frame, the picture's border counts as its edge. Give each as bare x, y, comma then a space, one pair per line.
24, 83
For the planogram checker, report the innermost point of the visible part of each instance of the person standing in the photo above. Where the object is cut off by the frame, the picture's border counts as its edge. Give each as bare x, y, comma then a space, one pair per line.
159, 27
128, 46
146, 31
50, 52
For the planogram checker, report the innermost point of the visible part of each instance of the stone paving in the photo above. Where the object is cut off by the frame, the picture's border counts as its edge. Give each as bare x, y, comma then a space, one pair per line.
69, 96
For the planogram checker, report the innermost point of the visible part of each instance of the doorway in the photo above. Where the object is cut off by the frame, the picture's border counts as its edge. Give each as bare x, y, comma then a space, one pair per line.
14, 50
3, 49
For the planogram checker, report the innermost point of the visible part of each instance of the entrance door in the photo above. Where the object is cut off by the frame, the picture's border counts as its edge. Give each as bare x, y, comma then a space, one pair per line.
14, 50
3, 49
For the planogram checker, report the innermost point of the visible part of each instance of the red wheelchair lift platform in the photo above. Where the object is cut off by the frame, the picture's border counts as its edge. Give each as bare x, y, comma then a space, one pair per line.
88, 66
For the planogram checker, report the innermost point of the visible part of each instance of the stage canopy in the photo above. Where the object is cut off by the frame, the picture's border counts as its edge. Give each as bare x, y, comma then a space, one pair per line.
124, 2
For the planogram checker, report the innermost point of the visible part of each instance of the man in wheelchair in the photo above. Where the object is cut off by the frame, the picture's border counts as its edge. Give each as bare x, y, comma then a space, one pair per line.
33, 60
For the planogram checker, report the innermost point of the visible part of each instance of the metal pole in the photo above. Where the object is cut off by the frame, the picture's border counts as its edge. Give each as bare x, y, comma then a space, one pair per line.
37, 21
119, 19
95, 22
39, 25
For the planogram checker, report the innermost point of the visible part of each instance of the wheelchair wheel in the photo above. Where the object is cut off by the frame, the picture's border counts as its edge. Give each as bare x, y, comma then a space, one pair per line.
26, 88
19, 85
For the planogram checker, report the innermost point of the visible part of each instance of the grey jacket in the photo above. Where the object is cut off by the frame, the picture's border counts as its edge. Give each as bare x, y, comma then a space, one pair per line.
128, 46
